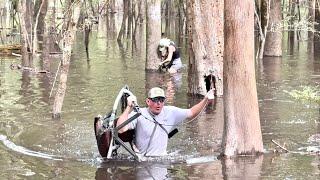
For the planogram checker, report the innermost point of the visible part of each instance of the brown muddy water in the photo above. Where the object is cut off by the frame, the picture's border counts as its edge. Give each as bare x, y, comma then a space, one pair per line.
34, 146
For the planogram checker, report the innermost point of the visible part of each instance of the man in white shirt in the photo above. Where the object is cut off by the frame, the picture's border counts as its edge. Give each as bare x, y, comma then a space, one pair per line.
156, 121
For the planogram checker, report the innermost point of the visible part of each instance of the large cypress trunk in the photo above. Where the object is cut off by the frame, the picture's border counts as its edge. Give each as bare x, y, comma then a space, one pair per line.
242, 131
205, 23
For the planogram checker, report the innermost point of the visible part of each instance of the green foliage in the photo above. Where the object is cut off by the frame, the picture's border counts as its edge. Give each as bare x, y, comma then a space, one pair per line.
307, 94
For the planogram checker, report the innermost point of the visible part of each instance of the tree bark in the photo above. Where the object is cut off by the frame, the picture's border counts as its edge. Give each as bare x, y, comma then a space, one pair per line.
87, 30
273, 46
316, 40
242, 131
169, 18
42, 15
24, 34
265, 14
68, 40
111, 26
123, 28
311, 17
153, 34
130, 20
139, 38
180, 22
48, 28
291, 33
205, 46
35, 43
317, 20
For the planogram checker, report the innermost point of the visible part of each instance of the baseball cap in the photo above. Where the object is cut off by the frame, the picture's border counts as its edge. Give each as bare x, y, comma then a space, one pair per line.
156, 92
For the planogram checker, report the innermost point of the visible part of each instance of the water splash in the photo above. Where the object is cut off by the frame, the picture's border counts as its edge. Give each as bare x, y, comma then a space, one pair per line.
174, 159
202, 159
26, 151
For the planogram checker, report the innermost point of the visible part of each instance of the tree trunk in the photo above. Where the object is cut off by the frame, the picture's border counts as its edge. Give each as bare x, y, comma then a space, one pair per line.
173, 22
205, 46
87, 30
42, 15
48, 28
24, 33
124, 21
111, 26
35, 43
153, 34
273, 46
68, 40
265, 14
112, 6
139, 38
317, 20
169, 18
311, 19
292, 10
242, 131
316, 40
180, 23
291, 31
130, 19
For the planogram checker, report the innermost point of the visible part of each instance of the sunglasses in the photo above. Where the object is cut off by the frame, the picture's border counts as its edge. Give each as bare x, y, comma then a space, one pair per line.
158, 99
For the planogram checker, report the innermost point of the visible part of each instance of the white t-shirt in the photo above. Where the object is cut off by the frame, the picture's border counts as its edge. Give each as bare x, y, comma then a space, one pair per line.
144, 125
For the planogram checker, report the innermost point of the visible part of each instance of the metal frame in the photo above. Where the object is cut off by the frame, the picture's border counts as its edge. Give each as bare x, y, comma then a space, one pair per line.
114, 129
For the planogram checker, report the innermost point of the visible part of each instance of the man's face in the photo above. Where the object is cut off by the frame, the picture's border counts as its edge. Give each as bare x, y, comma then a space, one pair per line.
155, 104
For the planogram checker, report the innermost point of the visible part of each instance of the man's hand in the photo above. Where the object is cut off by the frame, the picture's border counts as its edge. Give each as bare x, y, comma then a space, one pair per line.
210, 94
132, 100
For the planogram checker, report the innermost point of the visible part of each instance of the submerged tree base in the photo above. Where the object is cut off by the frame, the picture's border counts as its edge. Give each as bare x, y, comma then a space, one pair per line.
237, 155
56, 116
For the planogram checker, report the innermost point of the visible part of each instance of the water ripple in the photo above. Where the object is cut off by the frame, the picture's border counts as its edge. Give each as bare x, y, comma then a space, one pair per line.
25, 151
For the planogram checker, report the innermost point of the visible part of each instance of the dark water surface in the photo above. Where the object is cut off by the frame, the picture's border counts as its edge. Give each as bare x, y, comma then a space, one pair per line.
33, 146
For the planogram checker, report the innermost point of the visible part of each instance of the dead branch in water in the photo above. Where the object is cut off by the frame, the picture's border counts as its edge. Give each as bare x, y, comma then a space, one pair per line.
283, 148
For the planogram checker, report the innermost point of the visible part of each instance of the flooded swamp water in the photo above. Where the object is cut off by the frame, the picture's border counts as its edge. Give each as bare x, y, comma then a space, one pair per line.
34, 146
